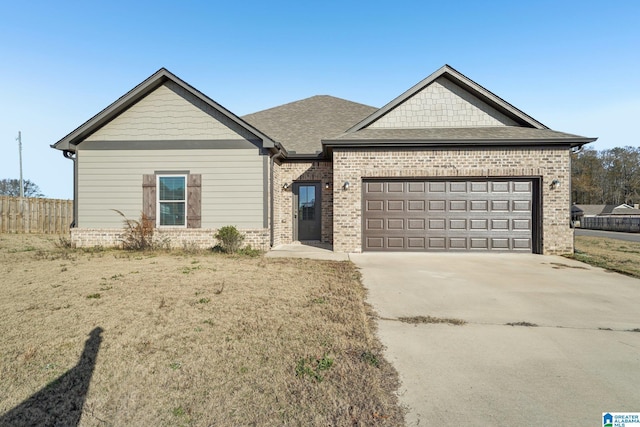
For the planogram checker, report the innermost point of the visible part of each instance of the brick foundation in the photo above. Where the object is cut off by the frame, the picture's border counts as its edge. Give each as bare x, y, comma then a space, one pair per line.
201, 238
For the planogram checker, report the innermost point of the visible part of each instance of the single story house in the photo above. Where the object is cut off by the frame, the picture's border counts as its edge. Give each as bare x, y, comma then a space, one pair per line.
580, 211
447, 165
623, 218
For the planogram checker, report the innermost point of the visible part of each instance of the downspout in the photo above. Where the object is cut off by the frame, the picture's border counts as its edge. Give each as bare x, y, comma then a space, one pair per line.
279, 155
71, 155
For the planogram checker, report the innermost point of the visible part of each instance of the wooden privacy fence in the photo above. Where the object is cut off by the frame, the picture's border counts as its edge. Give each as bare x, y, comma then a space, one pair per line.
629, 224
35, 215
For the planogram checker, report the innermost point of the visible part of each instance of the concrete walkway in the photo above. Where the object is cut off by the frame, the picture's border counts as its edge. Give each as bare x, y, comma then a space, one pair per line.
311, 251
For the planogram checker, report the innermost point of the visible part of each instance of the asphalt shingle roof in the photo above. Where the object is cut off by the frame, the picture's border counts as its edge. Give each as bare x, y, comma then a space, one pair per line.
300, 126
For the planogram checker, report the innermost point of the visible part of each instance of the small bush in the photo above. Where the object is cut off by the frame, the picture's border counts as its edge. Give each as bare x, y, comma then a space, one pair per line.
230, 239
249, 251
138, 234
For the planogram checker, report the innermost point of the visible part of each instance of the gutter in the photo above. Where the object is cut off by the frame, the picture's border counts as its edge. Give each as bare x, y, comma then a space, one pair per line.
73, 156
281, 154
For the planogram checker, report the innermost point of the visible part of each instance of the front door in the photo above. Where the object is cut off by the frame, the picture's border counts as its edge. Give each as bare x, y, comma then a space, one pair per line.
306, 211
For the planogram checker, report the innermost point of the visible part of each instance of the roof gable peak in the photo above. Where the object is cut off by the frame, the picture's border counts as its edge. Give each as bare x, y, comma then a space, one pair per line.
468, 85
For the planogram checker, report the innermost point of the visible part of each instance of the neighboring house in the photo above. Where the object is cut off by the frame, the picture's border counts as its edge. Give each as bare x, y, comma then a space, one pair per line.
624, 218
578, 212
447, 165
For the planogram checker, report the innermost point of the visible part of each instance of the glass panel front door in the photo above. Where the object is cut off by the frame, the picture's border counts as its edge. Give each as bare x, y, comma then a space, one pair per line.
307, 210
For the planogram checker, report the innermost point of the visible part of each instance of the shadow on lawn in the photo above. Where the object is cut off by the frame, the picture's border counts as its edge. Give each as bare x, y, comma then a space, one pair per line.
60, 402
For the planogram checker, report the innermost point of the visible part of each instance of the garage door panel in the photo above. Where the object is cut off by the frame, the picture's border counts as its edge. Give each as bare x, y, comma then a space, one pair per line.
438, 243
521, 206
395, 243
522, 187
416, 242
437, 205
374, 187
479, 242
395, 187
416, 223
374, 224
416, 205
437, 224
395, 224
457, 206
522, 243
479, 187
499, 187
441, 215
437, 187
374, 205
416, 187
395, 205
479, 205
458, 243
374, 243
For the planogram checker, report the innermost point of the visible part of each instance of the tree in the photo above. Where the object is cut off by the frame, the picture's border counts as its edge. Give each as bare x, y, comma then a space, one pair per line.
606, 177
11, 187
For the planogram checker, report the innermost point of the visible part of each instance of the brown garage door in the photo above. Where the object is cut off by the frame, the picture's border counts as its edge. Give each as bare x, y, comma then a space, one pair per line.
441, 215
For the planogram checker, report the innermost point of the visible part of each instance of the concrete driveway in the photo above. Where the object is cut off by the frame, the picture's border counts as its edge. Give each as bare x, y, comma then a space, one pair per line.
581, 359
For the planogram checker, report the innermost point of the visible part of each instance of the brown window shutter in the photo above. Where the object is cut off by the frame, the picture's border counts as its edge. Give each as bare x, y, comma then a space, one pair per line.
194, 193
149, 197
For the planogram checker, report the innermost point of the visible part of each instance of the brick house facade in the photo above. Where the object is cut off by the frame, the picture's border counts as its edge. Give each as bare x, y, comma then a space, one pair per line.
447, 165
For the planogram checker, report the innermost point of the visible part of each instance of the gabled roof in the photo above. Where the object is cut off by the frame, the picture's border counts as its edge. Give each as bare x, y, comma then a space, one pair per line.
137, 93
301, 125
466, 83
525, 130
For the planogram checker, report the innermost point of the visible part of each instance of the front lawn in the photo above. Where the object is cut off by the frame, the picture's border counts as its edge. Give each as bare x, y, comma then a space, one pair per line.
191, 339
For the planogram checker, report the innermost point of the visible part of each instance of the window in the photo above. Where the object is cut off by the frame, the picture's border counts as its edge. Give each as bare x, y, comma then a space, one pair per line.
172, 200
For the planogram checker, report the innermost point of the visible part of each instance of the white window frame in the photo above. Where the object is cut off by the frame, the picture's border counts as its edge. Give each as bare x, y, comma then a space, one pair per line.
186, 196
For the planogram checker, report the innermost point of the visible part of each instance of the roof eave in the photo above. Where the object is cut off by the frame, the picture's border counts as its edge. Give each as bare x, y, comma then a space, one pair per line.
328, 145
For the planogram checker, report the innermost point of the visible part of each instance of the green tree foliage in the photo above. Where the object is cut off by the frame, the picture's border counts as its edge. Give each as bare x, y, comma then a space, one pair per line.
11, 187
606, 177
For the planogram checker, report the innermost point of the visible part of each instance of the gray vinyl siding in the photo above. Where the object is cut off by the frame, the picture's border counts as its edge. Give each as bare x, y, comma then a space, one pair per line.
232, 184
170, 113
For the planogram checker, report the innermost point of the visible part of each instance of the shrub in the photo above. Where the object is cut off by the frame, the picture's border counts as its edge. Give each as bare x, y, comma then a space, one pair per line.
230, 239
138, 234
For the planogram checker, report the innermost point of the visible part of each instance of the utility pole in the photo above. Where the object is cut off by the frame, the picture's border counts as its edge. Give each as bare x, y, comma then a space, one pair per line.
19, 138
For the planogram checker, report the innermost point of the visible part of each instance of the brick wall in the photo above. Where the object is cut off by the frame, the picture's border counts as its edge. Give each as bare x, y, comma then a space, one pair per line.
176, 238
290, 172
549, 164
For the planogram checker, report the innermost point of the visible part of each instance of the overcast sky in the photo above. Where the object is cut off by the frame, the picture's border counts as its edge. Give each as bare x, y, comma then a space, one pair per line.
573, 65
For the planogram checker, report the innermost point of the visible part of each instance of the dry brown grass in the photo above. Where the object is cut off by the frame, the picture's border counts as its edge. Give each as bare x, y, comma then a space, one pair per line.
615, 255
191, 339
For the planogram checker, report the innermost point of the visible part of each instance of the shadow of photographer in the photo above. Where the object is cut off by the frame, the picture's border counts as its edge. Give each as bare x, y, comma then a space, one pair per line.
60, 402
